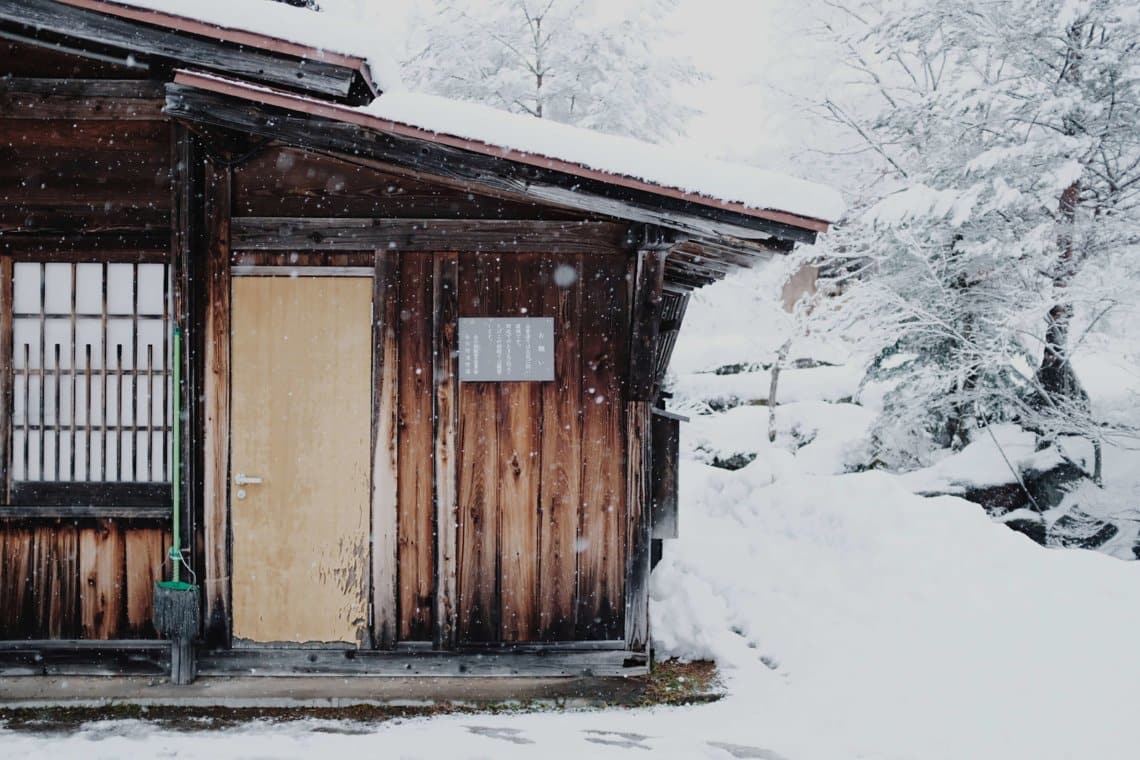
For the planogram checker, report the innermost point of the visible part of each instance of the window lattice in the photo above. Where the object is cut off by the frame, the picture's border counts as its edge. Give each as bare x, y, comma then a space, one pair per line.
91, 372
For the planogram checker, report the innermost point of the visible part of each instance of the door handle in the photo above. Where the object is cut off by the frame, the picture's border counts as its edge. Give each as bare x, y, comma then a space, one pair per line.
242, 479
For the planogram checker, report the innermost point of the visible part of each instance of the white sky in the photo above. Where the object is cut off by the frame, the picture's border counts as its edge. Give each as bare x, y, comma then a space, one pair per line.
747, 46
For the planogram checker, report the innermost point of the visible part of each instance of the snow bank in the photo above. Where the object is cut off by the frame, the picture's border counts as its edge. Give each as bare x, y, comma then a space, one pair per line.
897, 625
659, 165
983, 462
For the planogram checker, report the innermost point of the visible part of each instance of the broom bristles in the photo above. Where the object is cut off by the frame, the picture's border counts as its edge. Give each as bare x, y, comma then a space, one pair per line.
176, 611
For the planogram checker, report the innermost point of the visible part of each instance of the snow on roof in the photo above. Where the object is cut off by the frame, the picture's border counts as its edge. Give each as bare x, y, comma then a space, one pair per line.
656, 164
322, 31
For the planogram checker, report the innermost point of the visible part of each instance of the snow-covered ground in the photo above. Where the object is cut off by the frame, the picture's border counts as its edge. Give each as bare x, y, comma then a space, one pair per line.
852, 617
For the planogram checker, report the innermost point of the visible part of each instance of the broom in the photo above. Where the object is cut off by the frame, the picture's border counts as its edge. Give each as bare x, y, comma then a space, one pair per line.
176, 603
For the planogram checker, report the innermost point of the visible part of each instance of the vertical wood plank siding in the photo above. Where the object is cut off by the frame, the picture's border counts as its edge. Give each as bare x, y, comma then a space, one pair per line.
542, 466
601, 532
445, 380
478, 581
520, 463
385, 451
561, 481
216, 415
415, 498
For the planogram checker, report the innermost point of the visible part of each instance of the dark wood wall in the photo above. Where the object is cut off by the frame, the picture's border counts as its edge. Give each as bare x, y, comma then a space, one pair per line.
85, 174
541, 529
511, 517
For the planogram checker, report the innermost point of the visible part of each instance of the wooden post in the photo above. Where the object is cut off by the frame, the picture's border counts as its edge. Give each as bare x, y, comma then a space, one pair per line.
216, 442
6, 295
445, 381
385, 449
183, 226
639, 526
648, 287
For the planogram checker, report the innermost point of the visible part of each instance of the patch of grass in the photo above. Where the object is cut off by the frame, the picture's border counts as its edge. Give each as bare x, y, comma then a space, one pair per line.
673, 682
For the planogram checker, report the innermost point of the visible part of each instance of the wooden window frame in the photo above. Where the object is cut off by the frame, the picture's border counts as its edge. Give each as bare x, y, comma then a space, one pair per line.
75, 497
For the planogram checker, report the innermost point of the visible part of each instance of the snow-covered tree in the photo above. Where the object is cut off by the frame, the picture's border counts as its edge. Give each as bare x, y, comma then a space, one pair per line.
603, 66
1006, 142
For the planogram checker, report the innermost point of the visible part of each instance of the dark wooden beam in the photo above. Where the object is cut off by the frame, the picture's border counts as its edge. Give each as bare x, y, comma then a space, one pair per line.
638, 526
648, 284
385, 448
6, 387
160, 511
533, 183
548, 662
445, 474
142, 246
105, 35
477, 235
216, 412
185, 184
105, 99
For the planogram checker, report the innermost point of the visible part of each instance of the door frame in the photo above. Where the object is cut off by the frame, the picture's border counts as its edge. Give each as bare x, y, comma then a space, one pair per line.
377, 569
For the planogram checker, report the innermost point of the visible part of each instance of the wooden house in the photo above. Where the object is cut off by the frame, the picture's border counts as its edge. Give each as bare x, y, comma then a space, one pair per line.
423, 427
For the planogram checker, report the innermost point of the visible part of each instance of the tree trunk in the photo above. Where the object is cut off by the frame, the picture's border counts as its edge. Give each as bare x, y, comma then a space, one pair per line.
1055, 375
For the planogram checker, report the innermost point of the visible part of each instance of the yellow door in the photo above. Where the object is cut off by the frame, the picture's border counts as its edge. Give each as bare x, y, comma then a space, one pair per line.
299, 472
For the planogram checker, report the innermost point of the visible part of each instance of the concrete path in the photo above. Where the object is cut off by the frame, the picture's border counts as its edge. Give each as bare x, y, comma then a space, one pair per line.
309, 691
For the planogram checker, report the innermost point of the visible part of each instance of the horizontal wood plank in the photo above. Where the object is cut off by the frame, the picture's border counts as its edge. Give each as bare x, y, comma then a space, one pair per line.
472, 235
146, 42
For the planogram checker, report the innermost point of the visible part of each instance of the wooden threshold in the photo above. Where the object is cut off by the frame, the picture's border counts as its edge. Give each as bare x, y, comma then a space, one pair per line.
552, 662
133, 656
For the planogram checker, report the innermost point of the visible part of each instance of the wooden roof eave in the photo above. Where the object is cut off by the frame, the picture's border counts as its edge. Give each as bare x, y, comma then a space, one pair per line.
105, 30
317, 125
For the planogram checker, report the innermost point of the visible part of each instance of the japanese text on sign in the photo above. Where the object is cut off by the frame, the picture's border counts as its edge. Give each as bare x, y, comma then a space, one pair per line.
506, 349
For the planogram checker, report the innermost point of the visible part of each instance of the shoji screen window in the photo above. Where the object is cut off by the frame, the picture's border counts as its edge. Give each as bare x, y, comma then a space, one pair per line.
91, 384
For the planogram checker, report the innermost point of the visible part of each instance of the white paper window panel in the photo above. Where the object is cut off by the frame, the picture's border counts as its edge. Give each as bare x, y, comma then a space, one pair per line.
89, 296
26, 287
152, 287
144, 464
146, 397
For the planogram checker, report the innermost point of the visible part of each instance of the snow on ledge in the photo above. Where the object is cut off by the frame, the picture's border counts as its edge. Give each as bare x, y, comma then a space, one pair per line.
656, 164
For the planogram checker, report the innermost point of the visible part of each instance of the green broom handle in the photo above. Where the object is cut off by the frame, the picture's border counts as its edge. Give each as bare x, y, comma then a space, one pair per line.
176, 476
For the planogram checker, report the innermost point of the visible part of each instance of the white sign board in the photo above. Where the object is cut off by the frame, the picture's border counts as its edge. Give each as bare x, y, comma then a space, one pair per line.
505, 349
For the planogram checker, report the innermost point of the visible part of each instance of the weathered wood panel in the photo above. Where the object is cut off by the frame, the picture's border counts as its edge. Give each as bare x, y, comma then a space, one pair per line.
601, 533
216, 407
89, 579
93, 99
479, 469
561, 481
445, 380
20, 59
415, 500
6, 389
638, 526
55, 581
102, 562
295, 233
17, 607
385, 451
520, 458
542, 478
286, 182
649, 284
145, 550
72, 174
